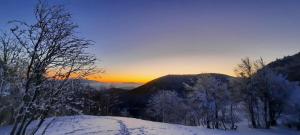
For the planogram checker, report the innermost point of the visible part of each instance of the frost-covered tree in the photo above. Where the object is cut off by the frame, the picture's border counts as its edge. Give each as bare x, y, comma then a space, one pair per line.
273, 92
76, 99
264, 92
51, 54
291, 112
11, 74
211, 102
166, 106
234, 105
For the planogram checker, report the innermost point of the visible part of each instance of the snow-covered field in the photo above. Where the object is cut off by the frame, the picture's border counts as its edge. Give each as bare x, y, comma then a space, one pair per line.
101, 125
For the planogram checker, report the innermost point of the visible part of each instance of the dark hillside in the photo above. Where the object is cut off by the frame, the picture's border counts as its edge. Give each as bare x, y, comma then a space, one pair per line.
289, 66
136, 100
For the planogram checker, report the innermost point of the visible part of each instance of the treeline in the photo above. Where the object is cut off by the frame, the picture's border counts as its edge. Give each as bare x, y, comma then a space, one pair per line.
259, 94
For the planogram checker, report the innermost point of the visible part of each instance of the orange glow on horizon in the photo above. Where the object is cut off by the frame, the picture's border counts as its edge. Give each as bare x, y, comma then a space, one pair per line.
129, 79
143, 72
120, 79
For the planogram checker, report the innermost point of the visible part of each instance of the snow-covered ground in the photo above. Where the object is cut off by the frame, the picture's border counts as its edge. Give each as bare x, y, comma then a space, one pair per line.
101, 125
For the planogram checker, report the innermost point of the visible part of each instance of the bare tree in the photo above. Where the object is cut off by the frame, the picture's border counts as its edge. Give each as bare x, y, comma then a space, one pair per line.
52, 55
245, 71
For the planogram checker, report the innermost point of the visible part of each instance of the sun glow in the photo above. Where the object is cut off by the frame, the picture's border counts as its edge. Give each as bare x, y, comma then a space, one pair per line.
120, 79
142, 72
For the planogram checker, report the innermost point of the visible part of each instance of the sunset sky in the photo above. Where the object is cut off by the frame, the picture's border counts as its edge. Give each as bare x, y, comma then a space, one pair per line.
139, 40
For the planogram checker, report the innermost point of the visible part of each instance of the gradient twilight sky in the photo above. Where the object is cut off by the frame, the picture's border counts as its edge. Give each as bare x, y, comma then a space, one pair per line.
139, 40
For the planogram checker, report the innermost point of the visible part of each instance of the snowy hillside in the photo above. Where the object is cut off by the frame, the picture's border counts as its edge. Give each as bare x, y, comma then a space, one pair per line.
100, 125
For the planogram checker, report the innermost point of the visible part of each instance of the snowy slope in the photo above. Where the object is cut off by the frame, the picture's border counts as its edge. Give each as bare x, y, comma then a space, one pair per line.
96, 125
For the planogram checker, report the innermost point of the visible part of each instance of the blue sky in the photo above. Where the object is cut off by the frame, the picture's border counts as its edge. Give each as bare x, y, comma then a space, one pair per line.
139, 40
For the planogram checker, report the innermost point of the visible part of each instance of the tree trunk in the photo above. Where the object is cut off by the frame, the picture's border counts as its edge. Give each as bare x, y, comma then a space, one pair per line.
12, 132
231, 117
216, 119
267, 123
207, 124
39, 125
252, 117
272, 115
47, 126
26, 125
19, 130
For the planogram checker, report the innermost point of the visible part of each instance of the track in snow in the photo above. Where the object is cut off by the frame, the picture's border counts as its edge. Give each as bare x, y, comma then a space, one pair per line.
123, 128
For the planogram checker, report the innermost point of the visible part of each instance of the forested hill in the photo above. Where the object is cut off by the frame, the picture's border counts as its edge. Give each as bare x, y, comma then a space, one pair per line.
174, 82
136, 100
289, 66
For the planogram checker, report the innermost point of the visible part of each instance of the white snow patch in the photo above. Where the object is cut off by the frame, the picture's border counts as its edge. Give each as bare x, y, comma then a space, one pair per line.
106, 125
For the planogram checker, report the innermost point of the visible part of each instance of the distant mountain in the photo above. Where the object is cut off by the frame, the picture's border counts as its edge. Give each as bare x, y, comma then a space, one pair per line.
173, 83
104, 85
136, 100
289, 66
